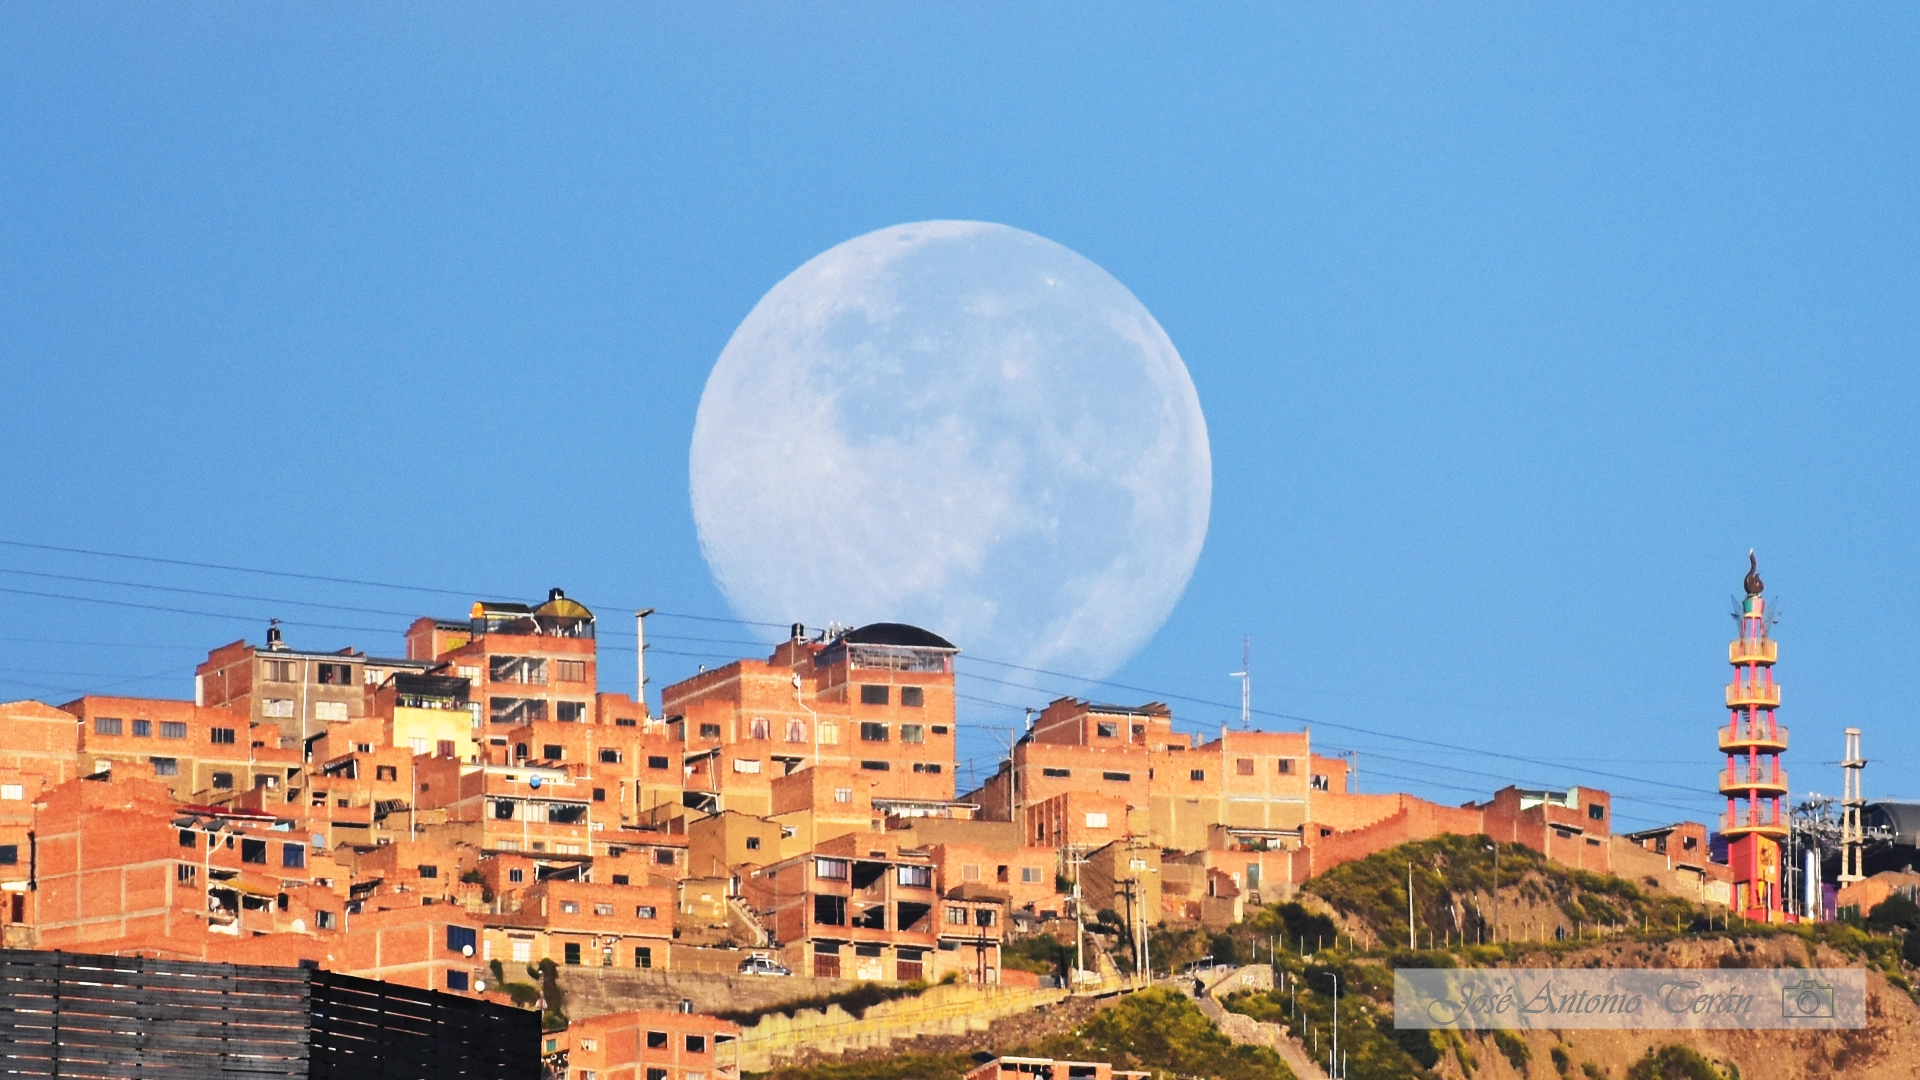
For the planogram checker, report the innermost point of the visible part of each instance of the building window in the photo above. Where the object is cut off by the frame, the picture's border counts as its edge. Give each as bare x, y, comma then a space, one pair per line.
515, 711
657, 761
657, 1040
876, 766
939, 729
329, 710
569, 907
926, 766
599, 794
185, 873
428, 870
13, 792
913, 697
1197, 774
333, 674
1243, 766
914, 877
553, 752
277, 670
603, 909
970, 872
386, 772
753, 843
323, 920
444, 748
277, 708
223, 781
758, 728
609, 756
456, 980
957, 916
516, 875
663, 856
570, 712
696, 1044
642, 957
709, 731
1096, 821
517, 669
570, 670
1286, 766
1056, 772
293, 856
106, 725
913, 733
983, 916
796, 731
830, 869
1030, 875
1318, 782
645, 911
142, 728
843, 794
1120, 776
746, 765
830, 910
165, 766
872, 732
625, 721
1596, 811
573, 953
1106, 729
873, 695
253, 851
829, 733
221, 735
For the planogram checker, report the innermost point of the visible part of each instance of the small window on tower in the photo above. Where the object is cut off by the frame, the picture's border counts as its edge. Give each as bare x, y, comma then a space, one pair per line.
1596, 811
913, 697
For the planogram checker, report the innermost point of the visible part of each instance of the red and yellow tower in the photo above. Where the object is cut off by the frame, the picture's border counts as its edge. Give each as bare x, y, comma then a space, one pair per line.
1753, 782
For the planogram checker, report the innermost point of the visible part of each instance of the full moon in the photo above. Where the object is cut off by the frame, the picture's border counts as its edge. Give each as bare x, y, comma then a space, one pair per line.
962, 426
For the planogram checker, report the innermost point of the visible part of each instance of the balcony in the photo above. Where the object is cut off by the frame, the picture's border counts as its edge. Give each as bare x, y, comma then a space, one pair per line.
1760, 735
1764, 695
1761, 781
1765, 822
1752, 651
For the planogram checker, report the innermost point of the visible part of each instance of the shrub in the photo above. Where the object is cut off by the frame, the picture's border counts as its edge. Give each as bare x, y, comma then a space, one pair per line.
1514, 1047
1894, 913
1674, 1063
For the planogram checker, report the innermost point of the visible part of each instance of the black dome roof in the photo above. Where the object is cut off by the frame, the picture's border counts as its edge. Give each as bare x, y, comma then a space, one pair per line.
900, 634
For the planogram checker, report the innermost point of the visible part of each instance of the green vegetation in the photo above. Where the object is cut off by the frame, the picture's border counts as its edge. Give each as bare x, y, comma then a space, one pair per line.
855, 1001
555, 1018
1453, 877
1040, 954
1674, 1063
1160, 1029
1514, 1047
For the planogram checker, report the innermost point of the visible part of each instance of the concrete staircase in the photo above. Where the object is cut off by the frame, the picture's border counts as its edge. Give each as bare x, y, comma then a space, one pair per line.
1245, 1029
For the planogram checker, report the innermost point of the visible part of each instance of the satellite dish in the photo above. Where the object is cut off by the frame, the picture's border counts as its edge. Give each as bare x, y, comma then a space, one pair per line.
466, 950
533, 781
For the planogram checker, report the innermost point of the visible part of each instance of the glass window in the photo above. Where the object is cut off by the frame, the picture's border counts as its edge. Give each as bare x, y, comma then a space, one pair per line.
871, 732
663, 856
569, 907
603, 909
745, 765
709, 731
830, 869
1030, 875
573, 953
1243, 766
983, 916
609, 756
657, 1039
517, 669
1286, 766
829, 733
1096, 821
329, 710
644, 911
876, 766
657, 761
759, 728
9, 854
1120, 776
643, 958
253, 851
570, 712
796, 731
293, 856
873, 695
913, 733
106, 725
13, 792
278, 670
926, 766
570, 670
696, 1044
843, 794
221, 735
1197, 774
165, 766
914, 877
456, 980
957, 916
1056, 772
142, 728
1106, 729
913, 697
223, 781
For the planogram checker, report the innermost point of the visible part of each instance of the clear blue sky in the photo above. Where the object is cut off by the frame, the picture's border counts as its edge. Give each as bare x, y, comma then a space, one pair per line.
1514, 328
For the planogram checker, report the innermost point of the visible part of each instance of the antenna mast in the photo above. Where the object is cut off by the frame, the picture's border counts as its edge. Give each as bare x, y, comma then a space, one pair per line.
1245, 675
1851, 804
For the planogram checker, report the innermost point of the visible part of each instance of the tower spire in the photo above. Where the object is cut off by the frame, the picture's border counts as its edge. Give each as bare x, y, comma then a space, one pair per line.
1753, 781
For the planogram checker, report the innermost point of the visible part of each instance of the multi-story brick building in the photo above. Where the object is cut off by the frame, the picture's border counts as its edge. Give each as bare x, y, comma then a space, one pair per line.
196, 751
878, 700
645, 1045
524, 663
585, 923
297, 691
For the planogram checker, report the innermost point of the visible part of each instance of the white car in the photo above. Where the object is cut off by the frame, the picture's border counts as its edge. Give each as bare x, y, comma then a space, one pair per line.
763, 965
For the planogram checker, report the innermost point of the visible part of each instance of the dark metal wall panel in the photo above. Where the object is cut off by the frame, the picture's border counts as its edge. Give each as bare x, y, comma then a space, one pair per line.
106, 1017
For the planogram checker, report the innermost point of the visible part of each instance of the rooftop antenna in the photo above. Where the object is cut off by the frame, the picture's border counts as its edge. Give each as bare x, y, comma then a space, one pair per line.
1245, 675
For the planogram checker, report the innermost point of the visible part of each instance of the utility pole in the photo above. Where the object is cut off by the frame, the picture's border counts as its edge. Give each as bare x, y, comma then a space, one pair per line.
1412, 943
1851, 804
1333, 1058
640, 659
1245, 675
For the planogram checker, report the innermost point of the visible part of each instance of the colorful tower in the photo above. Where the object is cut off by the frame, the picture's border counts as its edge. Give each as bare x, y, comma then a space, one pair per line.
1753, 781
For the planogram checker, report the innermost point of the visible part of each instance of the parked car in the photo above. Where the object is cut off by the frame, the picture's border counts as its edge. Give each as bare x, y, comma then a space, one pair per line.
763, 965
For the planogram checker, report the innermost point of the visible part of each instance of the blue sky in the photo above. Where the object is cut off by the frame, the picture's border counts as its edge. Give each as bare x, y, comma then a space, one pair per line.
1515, 327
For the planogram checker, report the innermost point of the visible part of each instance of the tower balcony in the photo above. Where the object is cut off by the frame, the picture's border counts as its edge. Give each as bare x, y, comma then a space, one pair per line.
1753, 695
1768, 739
1753, 651
1755, 820
1761, 782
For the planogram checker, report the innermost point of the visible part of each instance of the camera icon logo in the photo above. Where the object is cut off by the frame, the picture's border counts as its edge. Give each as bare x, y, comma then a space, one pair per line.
1808, 999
